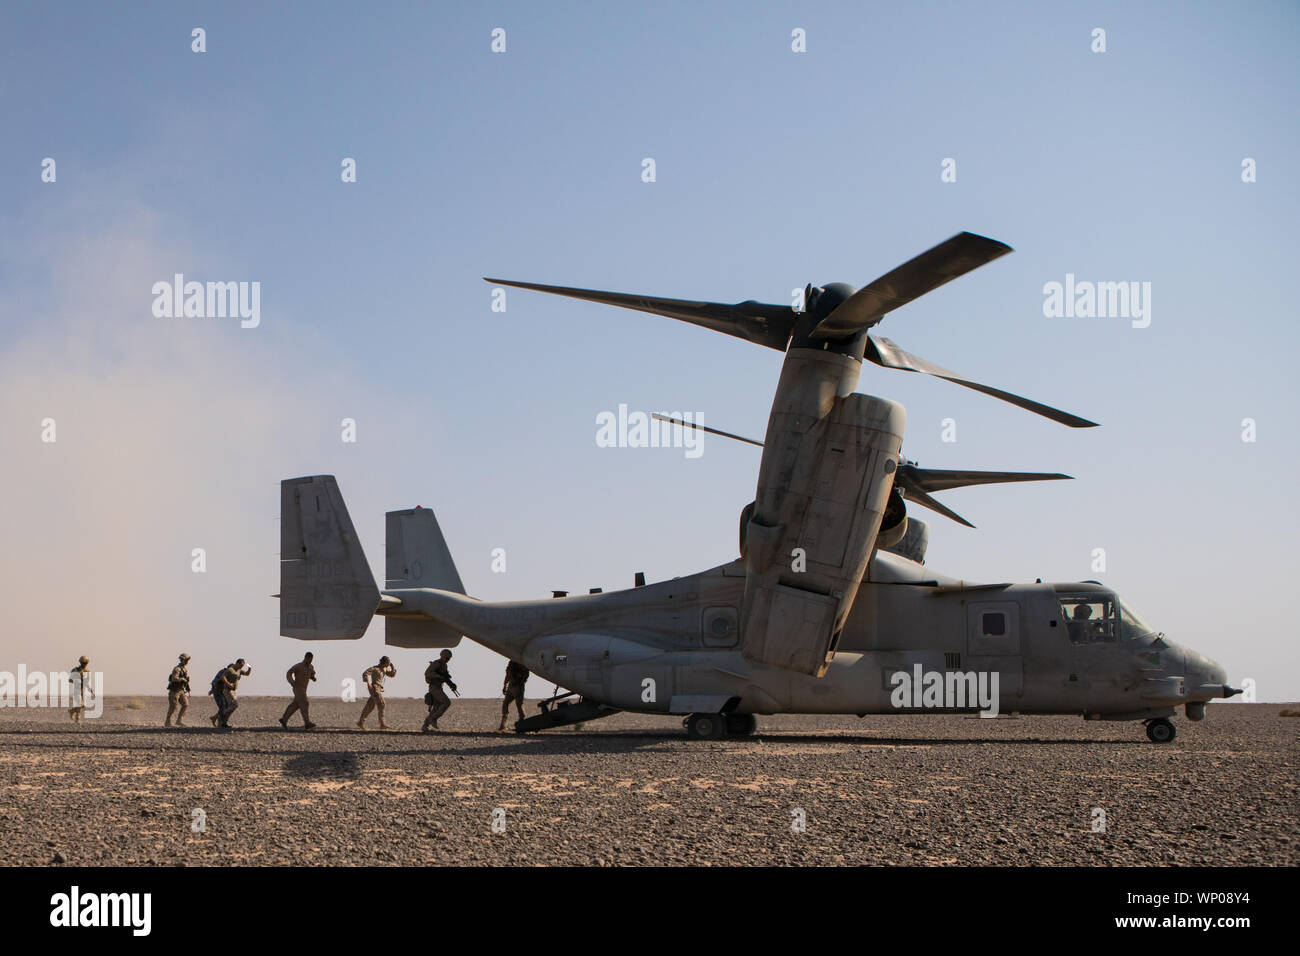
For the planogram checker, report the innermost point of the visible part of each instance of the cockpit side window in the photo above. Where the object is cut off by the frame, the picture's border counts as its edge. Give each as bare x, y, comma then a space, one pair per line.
1131, 627
1089, 619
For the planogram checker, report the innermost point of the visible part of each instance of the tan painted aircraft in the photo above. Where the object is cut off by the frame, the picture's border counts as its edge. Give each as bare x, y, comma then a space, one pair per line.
829, 609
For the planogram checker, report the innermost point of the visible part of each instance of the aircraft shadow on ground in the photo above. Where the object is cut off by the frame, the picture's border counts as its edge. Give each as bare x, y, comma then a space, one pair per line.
335, 765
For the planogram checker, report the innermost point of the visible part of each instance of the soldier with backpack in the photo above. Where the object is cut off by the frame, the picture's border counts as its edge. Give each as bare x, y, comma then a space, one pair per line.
178, 691
436, 674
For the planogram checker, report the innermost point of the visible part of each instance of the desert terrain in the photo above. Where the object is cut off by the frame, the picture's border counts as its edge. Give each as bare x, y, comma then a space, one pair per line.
630, 789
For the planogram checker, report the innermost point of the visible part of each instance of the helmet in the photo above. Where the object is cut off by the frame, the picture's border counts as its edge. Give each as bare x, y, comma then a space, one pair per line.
184, 658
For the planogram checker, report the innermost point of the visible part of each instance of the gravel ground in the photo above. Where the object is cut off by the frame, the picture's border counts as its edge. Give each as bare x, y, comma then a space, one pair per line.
629, 789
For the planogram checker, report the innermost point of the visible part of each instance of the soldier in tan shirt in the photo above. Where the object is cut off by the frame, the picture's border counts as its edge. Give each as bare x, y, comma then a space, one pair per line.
79, 679
374, 678
299, 676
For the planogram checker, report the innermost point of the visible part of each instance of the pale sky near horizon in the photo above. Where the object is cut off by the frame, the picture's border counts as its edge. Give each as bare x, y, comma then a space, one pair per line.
773, 169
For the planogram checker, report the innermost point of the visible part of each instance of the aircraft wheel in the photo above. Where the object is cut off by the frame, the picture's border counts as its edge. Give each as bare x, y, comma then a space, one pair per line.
741, 725
1160, 731
705, 726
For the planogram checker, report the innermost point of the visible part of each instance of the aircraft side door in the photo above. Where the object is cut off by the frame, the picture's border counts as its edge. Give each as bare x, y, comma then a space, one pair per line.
993, 643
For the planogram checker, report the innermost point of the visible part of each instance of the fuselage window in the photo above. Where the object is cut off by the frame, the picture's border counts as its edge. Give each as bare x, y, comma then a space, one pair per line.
995, 624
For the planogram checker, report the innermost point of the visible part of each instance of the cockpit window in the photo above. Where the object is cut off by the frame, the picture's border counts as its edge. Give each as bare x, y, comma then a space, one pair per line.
1131, 627
1089, 618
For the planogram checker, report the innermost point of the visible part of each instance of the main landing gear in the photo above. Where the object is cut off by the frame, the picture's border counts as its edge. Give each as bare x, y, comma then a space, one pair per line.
716, 726
1160, 730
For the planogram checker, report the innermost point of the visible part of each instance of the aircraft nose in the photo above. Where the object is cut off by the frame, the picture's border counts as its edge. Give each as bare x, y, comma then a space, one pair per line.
1205, 678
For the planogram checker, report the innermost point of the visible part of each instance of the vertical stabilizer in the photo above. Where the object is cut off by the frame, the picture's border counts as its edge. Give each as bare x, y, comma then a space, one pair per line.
418, 557
326, 589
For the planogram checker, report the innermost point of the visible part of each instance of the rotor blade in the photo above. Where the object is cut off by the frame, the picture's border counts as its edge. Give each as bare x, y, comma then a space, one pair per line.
888, 355
929, 479
704, 428
925, 501
913, 279
763, 324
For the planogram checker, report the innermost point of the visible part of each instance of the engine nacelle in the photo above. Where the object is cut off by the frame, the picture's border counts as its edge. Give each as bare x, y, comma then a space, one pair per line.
893, 526
745, 514
913, 542
824, 488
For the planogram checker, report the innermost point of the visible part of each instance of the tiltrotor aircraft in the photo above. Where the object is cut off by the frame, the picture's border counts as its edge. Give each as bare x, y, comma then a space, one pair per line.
829, 609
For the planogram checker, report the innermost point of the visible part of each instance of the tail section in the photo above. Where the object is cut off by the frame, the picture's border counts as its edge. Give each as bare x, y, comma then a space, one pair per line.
327, 591
418, 557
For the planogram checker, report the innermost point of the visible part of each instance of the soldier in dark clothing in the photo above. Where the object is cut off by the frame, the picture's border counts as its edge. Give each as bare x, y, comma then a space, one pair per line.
513, 690
224, 691
437, 674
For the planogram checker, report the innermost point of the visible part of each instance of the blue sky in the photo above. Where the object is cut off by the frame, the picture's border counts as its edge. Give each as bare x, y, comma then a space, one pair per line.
774, 169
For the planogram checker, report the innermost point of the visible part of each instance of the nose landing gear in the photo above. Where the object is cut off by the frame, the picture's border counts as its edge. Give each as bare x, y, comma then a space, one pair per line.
1160, 730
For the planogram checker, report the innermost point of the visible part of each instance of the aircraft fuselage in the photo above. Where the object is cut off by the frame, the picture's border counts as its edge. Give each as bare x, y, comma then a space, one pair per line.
674, 648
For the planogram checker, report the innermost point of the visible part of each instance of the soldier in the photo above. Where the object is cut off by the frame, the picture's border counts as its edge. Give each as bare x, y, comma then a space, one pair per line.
217, 690
1079, 627
374, 678
178, 692
299, 676
225, 687
513, 689
79, 678
436, 674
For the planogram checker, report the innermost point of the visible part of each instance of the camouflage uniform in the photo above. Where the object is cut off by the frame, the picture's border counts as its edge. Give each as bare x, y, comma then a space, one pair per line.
79, 678
513, 690
178, 691
436, 674
373, 677
225, 691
